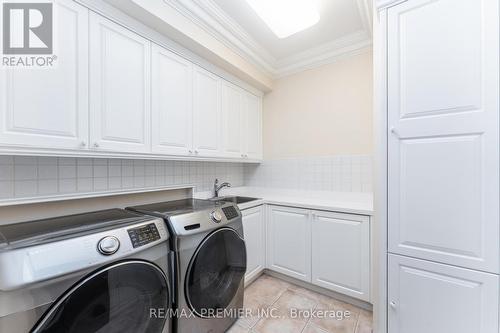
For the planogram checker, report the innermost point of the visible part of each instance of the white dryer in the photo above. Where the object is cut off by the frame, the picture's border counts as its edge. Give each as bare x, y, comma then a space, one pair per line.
101, 272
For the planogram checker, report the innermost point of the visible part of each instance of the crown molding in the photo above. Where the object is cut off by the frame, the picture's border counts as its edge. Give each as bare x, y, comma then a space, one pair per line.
383, 4
350, 45
211, 18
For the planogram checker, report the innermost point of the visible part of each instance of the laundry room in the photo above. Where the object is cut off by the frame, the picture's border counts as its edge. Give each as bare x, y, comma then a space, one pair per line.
250, 166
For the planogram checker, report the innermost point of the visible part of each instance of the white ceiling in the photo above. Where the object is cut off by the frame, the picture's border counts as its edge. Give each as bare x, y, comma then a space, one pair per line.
339, 18
344, 29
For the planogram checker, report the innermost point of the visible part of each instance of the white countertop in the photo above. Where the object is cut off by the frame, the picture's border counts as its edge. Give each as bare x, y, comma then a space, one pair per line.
344, 202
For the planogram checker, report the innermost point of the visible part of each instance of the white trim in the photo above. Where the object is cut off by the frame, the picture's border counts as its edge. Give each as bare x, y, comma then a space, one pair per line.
380, 174
34, 151
384, 4
84, 195
207, 15
351, 45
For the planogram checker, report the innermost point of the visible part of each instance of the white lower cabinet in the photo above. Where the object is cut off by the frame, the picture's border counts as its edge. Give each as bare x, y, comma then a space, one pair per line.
341, 253
289, 242
330, 250
434, 298
255, 241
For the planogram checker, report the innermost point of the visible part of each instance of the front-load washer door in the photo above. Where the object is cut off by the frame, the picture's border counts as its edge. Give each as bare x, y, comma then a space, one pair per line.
130, 296
215, 272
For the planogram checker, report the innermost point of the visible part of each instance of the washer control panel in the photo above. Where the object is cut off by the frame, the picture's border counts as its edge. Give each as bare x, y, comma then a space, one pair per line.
143, 235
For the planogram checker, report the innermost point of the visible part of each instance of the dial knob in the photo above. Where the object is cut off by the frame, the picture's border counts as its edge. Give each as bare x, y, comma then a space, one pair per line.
216, 216
108, 245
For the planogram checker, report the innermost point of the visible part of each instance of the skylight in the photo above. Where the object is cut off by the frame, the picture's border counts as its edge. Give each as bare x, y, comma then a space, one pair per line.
286, 17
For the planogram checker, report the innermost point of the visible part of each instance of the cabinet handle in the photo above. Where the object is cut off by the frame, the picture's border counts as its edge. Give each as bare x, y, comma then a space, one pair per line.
196, 152
96, 145
83, 144
190, 151
393, 305
395, 131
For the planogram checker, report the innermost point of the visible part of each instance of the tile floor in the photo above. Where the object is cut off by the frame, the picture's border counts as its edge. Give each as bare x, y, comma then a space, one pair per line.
276, 298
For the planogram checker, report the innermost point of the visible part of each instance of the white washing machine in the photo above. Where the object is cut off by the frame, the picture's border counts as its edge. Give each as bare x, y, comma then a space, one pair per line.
101, 272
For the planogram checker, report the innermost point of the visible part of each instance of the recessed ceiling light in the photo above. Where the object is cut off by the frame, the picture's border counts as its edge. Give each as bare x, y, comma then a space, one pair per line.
286, 17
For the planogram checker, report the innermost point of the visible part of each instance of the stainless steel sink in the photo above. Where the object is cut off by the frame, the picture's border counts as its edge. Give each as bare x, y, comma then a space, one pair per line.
236, 199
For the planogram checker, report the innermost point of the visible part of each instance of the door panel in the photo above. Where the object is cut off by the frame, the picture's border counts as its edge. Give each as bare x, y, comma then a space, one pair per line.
253, 228
171, 103
443, 143
114, 299
215, 272
232, 117
49, 107
120, 88
252, 126
436, 298
207, 113
289, 242
341, 253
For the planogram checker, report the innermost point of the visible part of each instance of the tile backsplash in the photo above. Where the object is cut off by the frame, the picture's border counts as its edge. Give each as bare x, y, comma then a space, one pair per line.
343, 173
27, 177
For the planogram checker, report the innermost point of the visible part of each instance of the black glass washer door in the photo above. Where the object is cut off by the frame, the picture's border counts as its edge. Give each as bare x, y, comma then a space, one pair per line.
215, 272
114, 299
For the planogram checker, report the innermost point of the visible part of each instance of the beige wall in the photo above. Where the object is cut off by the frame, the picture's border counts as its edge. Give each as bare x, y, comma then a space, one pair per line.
323, 111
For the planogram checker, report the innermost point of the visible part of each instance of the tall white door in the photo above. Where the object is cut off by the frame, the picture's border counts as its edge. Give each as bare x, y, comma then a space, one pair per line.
120, 108
232, 118
252, 126
49, 107
207, 113
436, 298
341, 253
172, 113
443, 118
254, 234
289, 242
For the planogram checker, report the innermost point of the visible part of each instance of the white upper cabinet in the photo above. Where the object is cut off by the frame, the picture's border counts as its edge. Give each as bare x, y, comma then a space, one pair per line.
252, 126
172, 100
443, 141
232, 118
254, 232
289, 242
341, 253
436, 298
207, 127
48, 108
114, 92
120, 108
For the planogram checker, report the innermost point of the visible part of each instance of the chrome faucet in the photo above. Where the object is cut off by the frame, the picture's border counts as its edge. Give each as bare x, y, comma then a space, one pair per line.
218, 187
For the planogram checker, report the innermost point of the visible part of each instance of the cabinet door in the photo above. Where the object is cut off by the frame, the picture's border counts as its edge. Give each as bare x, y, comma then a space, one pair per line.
341, 253
171, 103
252, 126
207, 113
253, 229
232, 117
120, 113
436, 298
289, 242
443, 83
48, 108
